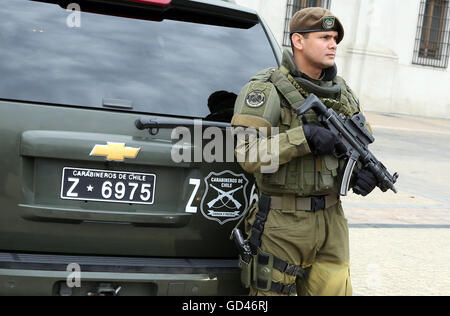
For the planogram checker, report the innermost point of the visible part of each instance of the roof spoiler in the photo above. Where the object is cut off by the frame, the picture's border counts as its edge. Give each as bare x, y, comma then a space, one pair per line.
214, 12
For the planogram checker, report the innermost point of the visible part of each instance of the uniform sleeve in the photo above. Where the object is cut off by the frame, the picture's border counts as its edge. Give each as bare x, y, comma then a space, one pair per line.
259, 145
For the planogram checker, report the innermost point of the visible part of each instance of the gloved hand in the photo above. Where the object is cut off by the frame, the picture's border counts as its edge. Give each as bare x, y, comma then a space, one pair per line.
365, 182
322, 141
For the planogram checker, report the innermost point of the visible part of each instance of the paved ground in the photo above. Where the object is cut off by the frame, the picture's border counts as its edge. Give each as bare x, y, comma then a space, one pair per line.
400, 243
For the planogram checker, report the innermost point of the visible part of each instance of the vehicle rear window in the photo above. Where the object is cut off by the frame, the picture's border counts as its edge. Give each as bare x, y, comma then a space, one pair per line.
161, 67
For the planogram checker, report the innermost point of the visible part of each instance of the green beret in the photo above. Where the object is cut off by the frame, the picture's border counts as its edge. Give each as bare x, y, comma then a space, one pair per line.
316, 19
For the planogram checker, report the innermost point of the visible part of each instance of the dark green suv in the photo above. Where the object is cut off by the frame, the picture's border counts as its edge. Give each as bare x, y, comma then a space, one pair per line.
111, 179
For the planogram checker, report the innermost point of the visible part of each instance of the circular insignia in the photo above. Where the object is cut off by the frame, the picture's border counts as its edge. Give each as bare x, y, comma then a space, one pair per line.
255, 99
328, 22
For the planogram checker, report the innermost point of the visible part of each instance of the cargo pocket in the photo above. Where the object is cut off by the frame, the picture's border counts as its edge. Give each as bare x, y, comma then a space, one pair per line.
307, 175
285, 118
277, 178
328, 173
246, 272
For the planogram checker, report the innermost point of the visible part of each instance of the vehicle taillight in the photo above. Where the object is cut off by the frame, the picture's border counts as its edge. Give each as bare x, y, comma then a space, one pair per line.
157, 2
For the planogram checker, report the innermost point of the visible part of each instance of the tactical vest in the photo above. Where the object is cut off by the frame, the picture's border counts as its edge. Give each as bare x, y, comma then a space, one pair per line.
307, 175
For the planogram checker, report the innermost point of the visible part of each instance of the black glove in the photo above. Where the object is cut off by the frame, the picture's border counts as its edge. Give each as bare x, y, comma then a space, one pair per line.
365, 182
322, 141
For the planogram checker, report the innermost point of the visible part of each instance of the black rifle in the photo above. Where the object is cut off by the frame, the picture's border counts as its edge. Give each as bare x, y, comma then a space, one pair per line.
356, 138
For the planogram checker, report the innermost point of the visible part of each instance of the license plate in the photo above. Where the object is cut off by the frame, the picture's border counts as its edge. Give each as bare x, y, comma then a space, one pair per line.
107, 186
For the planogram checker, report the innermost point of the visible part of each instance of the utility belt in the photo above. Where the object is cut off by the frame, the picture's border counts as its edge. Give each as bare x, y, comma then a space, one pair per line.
257, 266
309, 204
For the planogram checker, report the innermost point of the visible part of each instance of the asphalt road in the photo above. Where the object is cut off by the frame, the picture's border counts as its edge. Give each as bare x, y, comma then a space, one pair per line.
400, 243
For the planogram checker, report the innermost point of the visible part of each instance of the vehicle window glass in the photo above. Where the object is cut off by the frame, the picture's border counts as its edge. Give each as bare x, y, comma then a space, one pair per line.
166, 67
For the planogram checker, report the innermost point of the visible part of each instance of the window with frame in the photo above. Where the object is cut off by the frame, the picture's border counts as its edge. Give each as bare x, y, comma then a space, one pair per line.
295, 5
433, 34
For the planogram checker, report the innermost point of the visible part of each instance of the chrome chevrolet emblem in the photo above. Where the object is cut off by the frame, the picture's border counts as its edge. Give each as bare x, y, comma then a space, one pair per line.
114, 151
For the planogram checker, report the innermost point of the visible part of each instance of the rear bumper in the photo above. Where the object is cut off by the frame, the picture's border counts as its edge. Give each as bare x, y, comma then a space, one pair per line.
37, 274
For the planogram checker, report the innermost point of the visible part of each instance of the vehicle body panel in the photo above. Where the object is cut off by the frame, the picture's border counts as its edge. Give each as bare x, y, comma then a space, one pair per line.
174, 238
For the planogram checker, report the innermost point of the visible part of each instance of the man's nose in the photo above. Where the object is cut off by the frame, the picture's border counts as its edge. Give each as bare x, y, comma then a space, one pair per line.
332, 44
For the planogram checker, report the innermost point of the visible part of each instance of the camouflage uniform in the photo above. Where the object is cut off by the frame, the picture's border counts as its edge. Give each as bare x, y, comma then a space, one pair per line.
295, 233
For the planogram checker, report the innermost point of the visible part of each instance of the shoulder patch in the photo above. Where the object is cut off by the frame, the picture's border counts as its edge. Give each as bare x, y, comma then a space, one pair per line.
255, 98
259, 99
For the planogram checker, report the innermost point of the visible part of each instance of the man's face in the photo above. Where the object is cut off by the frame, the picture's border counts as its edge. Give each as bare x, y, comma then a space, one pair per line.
319, 48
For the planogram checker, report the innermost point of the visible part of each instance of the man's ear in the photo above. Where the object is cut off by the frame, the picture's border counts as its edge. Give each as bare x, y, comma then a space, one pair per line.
297, 41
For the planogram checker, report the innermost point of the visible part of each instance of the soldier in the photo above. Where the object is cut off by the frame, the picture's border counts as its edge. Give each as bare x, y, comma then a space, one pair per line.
298, 231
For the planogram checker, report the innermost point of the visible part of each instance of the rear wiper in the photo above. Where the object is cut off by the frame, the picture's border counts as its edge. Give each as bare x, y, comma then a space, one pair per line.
155, 124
